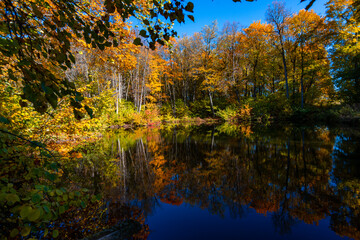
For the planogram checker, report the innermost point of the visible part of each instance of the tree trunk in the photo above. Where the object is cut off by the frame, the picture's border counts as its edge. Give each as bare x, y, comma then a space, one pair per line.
285, 71
119, 92
294, 76
211, 104
301, 78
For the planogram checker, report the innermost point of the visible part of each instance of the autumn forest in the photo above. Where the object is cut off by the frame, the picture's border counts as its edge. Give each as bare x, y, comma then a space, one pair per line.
92, 108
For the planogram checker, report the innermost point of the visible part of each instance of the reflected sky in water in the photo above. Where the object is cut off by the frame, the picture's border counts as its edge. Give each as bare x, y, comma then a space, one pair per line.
230, 182
189, 222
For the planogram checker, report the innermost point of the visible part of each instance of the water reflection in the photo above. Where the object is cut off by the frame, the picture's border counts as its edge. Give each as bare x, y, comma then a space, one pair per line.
294, 175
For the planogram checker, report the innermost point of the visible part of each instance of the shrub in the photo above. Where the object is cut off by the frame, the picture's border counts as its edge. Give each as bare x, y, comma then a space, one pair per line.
201, 109
272, 106
181, 109
229, 114
151, 114
126, 114
346, 111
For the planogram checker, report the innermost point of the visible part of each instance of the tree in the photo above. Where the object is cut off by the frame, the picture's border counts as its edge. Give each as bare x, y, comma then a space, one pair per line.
343, 17
228, 51
257, 46
208, 60
309, 34
277, 15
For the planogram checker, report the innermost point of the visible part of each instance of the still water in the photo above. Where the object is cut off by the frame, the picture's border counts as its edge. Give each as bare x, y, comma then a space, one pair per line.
227, 182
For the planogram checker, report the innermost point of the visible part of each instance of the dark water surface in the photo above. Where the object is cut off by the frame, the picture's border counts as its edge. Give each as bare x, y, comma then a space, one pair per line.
226, 182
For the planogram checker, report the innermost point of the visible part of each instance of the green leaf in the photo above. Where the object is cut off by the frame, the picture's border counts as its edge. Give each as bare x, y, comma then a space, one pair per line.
65, 197
14, 232
61, 209
36, 144
39, 187
46, 209
115, 43
60, 57
36, 198
72, 58
137, 42
189, 7
34, 215
11, 74
109, 5
52, 99
13, 198
152, 45
25, 231
71, 195
79, 97
83, 204
89, 111
101, 46
68, 63
55, 233
160, 41
46, 232
143, 33
59, 192
54, 166
24, 62
4, 120
78, 114
25, 211
74, 103
50, 176
98, 197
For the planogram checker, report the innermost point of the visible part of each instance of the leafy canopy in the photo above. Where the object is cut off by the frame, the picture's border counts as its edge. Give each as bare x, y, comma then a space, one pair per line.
35, 40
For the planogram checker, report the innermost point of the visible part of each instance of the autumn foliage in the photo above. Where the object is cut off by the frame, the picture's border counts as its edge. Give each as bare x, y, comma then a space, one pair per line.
69, 70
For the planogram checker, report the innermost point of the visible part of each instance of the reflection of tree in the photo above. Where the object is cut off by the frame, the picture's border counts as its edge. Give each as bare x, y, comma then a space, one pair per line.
283, 221
286, 173
346, 215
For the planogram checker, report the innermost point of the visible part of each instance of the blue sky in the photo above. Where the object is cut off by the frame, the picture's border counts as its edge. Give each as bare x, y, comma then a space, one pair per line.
206, 11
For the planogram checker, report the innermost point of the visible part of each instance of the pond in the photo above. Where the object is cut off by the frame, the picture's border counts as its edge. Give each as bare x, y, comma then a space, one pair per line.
227, 182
